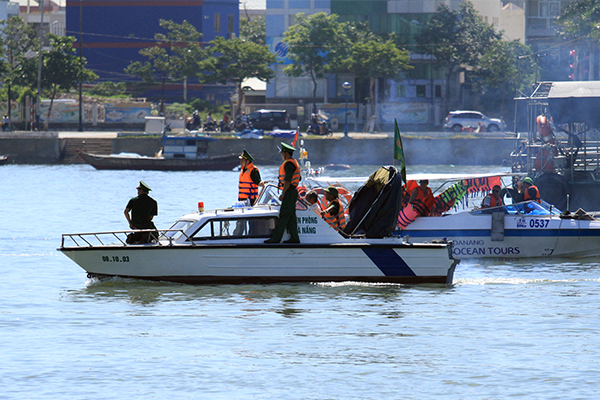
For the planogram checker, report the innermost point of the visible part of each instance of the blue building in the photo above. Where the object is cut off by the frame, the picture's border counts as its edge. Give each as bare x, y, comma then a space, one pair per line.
112, 32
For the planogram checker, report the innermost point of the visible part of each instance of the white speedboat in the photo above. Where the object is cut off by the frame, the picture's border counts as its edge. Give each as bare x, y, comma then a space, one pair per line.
227, 246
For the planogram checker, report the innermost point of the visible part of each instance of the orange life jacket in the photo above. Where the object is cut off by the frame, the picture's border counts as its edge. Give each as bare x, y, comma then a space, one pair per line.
295, 178
526, 195
423, 202
247, 188
337, 221
494, 202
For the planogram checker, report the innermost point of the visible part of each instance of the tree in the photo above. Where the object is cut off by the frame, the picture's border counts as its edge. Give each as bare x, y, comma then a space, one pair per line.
505, 69
174, 57
16, 39
236, 60
376, 59
578, 24
457, 39
314, 43
62, 68
254, 30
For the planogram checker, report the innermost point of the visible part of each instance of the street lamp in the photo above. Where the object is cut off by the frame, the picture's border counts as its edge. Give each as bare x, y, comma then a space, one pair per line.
347, 86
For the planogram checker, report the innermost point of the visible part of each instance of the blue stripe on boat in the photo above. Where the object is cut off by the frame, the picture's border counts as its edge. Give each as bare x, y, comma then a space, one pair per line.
388, 262
508, 232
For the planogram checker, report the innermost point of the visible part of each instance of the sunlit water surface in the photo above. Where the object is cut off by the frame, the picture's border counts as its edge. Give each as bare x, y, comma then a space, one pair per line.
502, 330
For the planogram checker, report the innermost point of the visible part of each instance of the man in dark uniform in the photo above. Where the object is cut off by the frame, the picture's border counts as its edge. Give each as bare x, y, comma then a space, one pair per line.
143, 208
289, 177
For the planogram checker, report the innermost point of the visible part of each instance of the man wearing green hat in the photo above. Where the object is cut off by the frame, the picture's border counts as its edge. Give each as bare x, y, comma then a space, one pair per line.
334, 213
143, 208
528, 191
289, 178
249, 179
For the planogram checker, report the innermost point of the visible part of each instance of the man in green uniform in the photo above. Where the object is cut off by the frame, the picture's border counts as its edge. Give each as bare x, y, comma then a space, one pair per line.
143, 208
289, 177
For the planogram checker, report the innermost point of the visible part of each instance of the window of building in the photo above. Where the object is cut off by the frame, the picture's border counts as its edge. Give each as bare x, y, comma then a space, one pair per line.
438, 90
421, 91
217, 22
230, 23
401, 91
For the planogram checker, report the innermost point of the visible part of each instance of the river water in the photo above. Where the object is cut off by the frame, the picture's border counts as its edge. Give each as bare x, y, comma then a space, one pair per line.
501, 330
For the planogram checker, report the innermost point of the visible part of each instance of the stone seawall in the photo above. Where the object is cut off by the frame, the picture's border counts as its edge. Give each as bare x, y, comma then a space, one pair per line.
364, 151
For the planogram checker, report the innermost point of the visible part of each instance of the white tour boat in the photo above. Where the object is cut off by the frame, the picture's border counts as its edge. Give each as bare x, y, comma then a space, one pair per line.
515, 231
227, 246
522, 230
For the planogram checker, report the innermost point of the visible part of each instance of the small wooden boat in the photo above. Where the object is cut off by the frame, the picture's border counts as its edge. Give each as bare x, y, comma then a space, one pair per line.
179, 153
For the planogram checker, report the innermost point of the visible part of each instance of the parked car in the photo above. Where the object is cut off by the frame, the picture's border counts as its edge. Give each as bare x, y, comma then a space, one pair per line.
269, 120
472, 121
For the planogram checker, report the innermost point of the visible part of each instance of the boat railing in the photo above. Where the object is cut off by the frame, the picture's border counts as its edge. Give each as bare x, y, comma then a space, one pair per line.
119, 238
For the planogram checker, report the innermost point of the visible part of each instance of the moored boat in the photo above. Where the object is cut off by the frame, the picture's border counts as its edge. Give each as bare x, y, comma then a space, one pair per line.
179, 153
227, 246
4, 158
561, 151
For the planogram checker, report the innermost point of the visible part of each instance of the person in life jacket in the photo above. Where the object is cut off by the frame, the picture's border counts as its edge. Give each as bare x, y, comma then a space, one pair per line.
493, 199
421, 198
249, 179
312, 198
289, 178
528, 191
334, 213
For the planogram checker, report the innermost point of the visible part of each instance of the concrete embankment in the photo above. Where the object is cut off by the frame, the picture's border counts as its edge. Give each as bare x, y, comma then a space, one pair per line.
419, 148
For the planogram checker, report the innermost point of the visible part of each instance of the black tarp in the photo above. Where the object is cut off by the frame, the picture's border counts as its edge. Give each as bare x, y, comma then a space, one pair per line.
572, 102
375, 206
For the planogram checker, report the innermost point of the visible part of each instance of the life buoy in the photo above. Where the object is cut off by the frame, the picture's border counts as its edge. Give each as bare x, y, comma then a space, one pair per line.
545, 130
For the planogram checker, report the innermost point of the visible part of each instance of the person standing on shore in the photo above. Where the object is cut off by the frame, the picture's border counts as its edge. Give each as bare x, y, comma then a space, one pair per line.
289, 178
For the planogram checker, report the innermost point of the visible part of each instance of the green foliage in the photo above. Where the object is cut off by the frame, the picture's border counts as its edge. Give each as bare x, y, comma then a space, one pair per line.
315, 42
253, 30
578, 25
174, 56
108, 89
505, 68
457, 39
236, 60
16, 39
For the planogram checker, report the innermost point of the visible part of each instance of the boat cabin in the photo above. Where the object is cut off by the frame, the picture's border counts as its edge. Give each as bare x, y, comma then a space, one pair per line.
188, 147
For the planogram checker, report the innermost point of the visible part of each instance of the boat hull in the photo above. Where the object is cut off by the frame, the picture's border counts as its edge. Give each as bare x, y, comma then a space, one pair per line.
521, 236
270, 263
114, 162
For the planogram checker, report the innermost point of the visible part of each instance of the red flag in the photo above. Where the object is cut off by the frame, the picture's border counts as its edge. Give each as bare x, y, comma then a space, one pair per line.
295, 138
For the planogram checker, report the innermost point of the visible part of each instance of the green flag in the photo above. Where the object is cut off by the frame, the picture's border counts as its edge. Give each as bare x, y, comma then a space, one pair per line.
399, 150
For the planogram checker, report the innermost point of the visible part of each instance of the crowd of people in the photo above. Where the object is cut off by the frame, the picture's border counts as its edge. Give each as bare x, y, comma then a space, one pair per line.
141, 209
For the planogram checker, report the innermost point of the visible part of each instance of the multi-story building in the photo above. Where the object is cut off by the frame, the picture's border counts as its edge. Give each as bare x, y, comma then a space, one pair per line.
415, 95
111, 34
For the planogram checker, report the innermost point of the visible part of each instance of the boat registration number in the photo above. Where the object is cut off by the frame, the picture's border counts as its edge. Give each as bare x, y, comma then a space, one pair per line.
539, 223
115, 259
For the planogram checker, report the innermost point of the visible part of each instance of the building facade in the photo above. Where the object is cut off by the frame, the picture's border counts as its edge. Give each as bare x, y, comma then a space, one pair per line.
112, 32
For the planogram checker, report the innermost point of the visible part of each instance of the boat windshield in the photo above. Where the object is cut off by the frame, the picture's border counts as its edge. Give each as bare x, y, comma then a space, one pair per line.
269, 195
527, 207
174, 231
